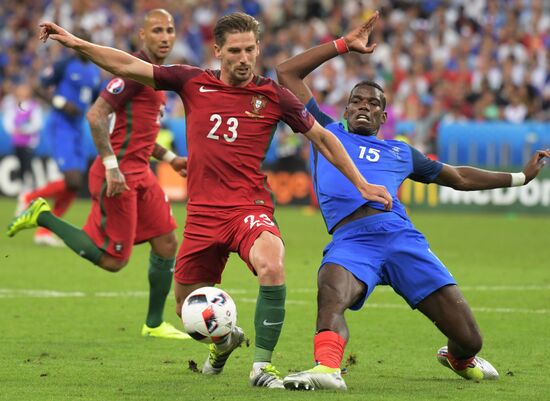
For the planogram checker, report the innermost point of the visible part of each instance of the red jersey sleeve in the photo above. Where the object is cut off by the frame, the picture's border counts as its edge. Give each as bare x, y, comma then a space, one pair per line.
294, 113
173, 77
119, 91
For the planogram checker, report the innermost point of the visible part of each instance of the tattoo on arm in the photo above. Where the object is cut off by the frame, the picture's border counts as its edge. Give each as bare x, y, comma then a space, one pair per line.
159, 151
98, 117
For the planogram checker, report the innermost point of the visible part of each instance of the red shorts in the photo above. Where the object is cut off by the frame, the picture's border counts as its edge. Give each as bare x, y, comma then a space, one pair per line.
137, 215
209, 237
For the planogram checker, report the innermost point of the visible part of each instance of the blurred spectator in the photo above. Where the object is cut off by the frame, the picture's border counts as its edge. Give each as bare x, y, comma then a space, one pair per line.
22, 119
461, 52
389, 128
453, 115
515, 110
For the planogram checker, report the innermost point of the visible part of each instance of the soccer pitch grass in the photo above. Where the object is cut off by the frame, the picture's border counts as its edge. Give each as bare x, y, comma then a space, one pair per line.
71, 331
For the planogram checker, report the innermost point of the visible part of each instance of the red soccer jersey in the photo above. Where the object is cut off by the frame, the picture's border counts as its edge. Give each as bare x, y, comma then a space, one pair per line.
229, 130
138, 109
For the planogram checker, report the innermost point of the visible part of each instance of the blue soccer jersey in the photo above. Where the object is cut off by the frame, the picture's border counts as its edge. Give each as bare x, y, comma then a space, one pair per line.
384, 248
382, 162
76, 80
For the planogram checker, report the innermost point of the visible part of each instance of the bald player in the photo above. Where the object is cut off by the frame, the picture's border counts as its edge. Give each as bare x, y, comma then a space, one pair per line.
128, 205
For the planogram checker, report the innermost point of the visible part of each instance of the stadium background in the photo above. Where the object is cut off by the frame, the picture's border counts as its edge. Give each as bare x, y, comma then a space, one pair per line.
467, 81
71, 331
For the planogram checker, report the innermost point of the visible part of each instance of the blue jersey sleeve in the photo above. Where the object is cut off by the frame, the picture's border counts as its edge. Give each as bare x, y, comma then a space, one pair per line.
424, 169
53, 74
322, 118
99, 87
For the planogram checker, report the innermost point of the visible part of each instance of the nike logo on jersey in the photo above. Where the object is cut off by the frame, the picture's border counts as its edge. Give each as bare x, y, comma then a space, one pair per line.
266, 323
204, 90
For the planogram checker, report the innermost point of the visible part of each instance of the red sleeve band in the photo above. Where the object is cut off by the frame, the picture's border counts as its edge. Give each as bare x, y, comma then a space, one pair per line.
341, 46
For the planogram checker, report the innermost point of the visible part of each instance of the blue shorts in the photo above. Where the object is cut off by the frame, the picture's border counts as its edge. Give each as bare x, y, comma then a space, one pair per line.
67, 140
386, 249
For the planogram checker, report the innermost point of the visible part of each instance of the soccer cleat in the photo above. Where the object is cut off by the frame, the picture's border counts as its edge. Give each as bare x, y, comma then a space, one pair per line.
23, 202
28, 218
164, 330
220, 352
268, 376
318, 378
479, 368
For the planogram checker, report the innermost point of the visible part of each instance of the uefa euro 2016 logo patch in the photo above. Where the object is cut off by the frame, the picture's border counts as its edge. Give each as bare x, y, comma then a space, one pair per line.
115, 86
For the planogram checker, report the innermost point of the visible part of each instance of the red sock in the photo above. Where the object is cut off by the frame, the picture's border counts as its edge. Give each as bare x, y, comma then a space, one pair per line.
42, 231
63, 201
328, 349
50, 190
459, 364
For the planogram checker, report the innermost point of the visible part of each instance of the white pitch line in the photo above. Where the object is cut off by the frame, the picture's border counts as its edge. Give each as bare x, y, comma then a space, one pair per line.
505, 287
475, 309
10, 293
32, 293
480, 288
28, 293
128, 294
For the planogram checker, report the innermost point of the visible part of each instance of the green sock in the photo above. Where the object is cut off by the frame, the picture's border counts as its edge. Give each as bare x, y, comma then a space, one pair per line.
268, 320
161, 271
75, 238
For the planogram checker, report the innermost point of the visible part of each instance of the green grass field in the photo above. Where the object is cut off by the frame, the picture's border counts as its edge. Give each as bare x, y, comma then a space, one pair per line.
70, 331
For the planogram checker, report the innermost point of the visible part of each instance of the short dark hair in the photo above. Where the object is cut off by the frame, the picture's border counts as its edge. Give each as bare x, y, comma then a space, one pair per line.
374, 85
235, 23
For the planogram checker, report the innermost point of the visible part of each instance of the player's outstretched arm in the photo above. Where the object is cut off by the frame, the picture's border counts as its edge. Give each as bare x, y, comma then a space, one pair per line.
113, 60
471, 178
291, 72
333, 150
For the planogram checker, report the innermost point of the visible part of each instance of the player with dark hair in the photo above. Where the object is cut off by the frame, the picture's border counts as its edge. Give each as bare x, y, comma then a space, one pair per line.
76, 84
128, 205
231, 115
372, 246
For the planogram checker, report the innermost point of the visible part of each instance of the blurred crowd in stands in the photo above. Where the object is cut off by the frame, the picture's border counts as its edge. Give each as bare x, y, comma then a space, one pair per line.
439, 61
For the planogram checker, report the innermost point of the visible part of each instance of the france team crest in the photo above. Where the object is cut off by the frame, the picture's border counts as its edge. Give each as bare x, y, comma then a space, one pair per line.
115, 86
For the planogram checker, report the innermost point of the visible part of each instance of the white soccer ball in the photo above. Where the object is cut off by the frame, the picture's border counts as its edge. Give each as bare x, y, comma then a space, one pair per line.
208, 314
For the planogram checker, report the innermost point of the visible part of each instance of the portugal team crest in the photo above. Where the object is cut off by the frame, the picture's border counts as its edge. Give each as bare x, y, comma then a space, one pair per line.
115, 86
258, 103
